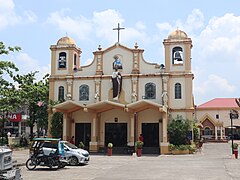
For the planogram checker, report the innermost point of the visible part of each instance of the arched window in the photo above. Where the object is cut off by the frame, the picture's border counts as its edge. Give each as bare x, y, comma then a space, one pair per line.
207, 131
150, 91
61, 93
62, 60
177, 55
178, 91
75, 60
84, 93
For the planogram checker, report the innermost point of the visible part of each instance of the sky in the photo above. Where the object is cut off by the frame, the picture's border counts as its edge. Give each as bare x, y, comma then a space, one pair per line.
214, 28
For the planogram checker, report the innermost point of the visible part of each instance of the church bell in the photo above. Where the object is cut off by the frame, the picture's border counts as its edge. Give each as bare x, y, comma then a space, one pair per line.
177, 56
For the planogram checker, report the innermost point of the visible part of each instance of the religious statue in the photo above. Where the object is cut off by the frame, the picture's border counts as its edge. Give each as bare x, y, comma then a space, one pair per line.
134, 96
117, 84
165, 98
96, 97
117, 64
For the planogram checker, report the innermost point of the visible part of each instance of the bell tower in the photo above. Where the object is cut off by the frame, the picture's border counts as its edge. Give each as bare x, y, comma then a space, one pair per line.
65, 57
178, 66
178, 52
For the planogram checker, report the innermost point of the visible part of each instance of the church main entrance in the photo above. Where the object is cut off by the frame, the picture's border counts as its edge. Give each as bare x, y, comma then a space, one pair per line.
116, 133
150, 133
83, 133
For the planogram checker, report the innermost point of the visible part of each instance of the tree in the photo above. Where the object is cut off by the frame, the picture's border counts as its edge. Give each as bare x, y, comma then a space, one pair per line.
34, 96
42, 111
57, 124
7, 67
29, 92
195, 133
8, 94
178, 130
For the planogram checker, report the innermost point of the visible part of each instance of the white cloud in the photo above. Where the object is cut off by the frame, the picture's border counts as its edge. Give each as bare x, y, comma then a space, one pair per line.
162, 27
79, 26
87, 62
26, 64
195, 20
30, 16
140, 25
214, 83
104, 22
7, 14
221, 38
216, 51
100, 25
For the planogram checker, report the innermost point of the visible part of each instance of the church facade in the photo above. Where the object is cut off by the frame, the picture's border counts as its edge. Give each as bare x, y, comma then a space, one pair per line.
119, 95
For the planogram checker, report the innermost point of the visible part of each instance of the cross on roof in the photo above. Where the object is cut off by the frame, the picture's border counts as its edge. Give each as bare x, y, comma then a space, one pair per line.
118, 29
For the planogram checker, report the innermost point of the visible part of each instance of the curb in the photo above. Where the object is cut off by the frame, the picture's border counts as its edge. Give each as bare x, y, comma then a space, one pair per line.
19, 164
15, 164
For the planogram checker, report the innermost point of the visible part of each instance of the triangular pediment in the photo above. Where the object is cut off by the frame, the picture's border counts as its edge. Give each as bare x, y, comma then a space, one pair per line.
207, 117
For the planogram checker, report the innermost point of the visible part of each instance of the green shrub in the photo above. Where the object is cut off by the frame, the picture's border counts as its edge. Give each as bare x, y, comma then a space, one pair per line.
171, 147
178, 130
57, 124
182, 147
191, 148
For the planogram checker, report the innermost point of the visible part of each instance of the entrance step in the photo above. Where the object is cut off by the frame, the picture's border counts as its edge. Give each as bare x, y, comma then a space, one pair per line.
150, 150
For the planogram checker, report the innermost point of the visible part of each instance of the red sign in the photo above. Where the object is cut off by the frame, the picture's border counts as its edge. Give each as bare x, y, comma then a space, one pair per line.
14, 117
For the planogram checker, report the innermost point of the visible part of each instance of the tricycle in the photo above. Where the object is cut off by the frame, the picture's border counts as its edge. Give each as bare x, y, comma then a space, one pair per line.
51, 155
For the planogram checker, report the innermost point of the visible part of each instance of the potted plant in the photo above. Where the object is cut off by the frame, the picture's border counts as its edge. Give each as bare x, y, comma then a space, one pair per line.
110, 146
235, 150
139, 145
81, 145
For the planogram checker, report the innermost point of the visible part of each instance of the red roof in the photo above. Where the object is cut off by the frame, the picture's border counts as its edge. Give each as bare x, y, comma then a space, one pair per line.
220, 103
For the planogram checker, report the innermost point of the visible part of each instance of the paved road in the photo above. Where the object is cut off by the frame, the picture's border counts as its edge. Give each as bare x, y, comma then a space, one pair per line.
214, 163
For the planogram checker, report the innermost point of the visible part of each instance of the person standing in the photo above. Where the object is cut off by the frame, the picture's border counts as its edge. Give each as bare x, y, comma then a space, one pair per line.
141, 138
72, 140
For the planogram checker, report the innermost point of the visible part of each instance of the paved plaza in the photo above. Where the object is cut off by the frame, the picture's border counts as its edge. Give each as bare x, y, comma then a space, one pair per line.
214, 162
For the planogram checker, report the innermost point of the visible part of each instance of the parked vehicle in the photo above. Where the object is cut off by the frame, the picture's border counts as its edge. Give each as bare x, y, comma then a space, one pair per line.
73, 154
40, 157
7, 171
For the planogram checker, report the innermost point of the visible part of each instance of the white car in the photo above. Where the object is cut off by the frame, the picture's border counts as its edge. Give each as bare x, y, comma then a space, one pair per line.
73, 154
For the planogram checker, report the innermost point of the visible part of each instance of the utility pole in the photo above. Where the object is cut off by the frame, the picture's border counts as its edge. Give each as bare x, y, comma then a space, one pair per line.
233, 115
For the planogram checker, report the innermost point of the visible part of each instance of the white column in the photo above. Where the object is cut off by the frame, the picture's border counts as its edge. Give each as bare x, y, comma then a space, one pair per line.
94, 128
65, 126
132, 131
164, 124
216, 132
221, 133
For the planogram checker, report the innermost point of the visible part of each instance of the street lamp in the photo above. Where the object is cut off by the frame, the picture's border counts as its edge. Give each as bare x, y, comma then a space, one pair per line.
233, 115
